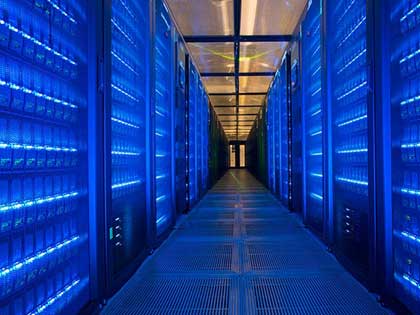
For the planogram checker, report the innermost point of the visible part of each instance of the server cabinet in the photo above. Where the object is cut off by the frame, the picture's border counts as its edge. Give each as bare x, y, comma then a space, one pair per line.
205, 146
405, 113
271, 165
296, 202
199, 135
163, 119
192, 135
277, 127
351, 108
285, 125
313, 115
126, 52
180, 129
44, 210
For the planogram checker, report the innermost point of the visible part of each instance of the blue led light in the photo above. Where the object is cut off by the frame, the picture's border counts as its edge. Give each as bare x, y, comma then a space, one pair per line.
162, 176
161, 220
161, 198
125, 63
316, 175
316, 113
409, 191
346, 10
127, 153
124, 123
37, 94
351, 151
361, 85
315, 154
354, 29
62, 11
127, 9
32, 259
410, 100
316, 92
316, 133
352, 181
127, 184
410, 236
352, 61
124, 93
61, 294
37, 42
406, 279
128, 37
316, 71
410, 145
316, 196
417, 7
38, 201
35, 147
410, 56
351, 121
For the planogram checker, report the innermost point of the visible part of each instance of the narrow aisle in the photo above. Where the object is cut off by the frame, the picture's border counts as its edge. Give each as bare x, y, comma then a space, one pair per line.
240, 252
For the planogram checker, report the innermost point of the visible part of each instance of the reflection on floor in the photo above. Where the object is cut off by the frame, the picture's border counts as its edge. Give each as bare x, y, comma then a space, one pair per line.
240, 252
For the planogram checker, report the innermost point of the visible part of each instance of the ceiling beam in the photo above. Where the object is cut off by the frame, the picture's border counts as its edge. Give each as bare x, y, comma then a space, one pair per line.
241, 74
245, 120
234, 106
237, 114
241, 38
237, 8
233, 94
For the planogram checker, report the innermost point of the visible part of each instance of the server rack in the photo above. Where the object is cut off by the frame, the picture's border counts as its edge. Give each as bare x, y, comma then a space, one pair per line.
285, 126
44, 233
126, 51
205, 145
192, 134
199, 136
296, 202
270, 142
352, 127
180, 129
313, 114
163, 119
405, 113
277, 126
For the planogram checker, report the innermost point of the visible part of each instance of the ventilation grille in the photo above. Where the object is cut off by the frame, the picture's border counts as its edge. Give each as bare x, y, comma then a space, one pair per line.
176, 295
308, 295
289, 257
205, 257
268, 229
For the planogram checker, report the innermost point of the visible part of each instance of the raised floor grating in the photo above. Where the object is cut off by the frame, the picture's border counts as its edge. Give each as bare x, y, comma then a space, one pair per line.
176, 295
197, 257
309, 294
241, 253
280, 257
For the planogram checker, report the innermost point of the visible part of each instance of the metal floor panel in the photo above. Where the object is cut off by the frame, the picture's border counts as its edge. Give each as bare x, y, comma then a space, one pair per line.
240, 252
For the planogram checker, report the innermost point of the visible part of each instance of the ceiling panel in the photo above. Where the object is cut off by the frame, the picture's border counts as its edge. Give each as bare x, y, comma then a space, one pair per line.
213, 57
223, 100
219, 84
251, 99
270, 17
225, 110
203, 17
260, 57
254, 84
249, 110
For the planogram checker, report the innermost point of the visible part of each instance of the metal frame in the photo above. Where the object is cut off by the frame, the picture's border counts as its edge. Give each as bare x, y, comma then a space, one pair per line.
237, 39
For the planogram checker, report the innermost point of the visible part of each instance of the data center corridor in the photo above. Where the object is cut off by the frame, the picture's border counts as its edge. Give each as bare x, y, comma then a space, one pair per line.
240, 252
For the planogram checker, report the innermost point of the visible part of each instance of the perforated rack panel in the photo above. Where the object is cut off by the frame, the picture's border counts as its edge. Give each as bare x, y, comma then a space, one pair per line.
44, 261
349, 86
163, 118
313, 116
405, 98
